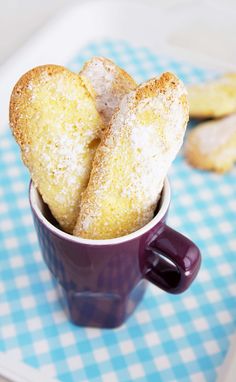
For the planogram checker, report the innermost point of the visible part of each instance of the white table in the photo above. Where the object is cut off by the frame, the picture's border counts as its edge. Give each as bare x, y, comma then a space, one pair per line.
20, 18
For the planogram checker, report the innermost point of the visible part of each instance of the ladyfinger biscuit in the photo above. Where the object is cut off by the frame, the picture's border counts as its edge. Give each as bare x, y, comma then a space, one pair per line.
54, 120
132, 159
212, 145
107, 83
213, 99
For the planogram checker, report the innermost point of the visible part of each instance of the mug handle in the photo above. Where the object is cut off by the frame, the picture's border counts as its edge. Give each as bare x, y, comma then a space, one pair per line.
173, 261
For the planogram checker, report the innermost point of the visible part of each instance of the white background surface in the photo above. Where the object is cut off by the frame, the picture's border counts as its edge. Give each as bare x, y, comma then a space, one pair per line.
207, 33
20, 18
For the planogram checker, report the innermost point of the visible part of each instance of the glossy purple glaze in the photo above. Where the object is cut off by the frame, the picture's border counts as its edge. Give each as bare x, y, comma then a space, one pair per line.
103, 282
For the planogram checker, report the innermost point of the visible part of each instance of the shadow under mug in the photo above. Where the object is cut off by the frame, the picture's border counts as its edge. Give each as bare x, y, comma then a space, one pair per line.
102, 281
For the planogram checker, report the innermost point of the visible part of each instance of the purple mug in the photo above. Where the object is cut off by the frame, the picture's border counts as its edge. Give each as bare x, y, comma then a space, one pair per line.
102, 281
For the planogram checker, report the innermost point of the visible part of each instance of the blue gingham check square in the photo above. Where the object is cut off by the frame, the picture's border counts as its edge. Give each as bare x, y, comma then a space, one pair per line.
169, 338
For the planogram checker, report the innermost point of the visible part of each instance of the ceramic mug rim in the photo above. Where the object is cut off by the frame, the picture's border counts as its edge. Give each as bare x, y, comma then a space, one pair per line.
34, 199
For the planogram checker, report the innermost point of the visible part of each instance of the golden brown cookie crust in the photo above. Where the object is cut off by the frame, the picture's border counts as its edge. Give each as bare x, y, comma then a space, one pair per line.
132, 159
212, 145
54, 120
213, 99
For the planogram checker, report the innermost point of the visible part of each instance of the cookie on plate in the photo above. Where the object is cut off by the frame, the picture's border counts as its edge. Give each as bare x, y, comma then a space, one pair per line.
213, 99
212, 145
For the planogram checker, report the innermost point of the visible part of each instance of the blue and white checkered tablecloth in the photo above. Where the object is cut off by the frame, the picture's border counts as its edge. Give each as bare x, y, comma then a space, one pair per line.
169, 338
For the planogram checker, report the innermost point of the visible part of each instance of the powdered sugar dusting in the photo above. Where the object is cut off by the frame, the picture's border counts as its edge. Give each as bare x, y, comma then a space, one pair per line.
61, 124
214, 134
133, 160
156, 144
108, 83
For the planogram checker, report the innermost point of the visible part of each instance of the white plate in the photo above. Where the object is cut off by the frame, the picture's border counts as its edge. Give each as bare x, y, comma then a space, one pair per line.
14, 371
